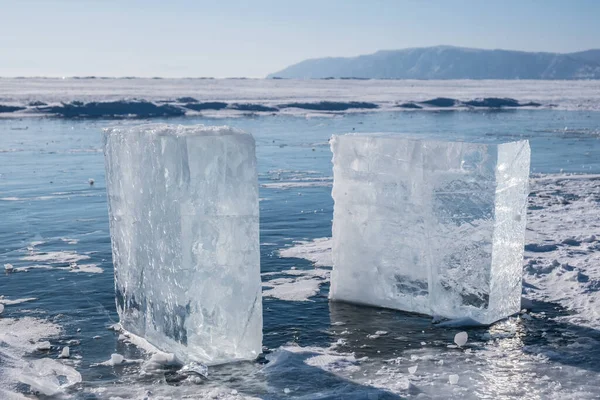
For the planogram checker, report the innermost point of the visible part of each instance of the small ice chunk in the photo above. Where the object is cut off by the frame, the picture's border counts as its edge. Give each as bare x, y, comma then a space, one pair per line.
381, 333
183, 213
8, 267
65, 353
48, 376
116, 359
1, 308
461, 338
159, 360
589, 239
194, 368
428, 226
413, 369
286, 391
43, 346
453, 379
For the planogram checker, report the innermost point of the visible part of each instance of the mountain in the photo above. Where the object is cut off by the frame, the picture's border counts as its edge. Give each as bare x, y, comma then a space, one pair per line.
448, 62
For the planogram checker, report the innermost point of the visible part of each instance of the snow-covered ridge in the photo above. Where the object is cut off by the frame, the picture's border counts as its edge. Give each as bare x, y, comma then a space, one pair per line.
148, 98
450, 62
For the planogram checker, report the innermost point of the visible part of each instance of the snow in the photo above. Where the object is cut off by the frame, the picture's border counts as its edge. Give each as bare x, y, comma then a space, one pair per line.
567, 95
429, 227
183, 202
56, 257
317, 250
87, 268
18, 338
5, 301
296, 285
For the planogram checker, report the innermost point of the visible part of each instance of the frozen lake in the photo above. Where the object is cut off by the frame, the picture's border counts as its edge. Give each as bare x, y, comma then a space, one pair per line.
54, 234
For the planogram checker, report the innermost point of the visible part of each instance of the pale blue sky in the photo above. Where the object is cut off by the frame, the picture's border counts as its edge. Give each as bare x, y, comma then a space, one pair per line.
225, 38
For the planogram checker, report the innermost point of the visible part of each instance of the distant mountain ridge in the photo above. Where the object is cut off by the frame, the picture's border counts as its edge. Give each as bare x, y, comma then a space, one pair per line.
449, 62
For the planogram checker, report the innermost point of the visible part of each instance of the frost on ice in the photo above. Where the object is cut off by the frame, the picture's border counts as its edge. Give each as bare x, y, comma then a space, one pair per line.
429, 227
183, 207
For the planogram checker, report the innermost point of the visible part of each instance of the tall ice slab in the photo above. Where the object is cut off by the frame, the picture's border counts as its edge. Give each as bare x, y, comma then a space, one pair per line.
183, 208
430, 227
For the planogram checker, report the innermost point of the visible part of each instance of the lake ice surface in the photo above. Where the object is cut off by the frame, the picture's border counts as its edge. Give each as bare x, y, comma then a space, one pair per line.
55, 222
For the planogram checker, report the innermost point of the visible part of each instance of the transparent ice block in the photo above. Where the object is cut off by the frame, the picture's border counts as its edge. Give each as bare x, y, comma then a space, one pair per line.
429, 227
183, 210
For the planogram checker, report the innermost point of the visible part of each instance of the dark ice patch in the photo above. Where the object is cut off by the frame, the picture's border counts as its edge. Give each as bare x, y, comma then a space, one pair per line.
331, 105
114, 109
253, 107
493, 102
209, 105
540, 248
186, 100
571, 242
9, 109
409, 105
441, 102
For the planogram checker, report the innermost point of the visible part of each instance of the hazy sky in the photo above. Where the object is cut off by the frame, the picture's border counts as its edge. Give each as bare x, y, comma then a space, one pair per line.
225, 38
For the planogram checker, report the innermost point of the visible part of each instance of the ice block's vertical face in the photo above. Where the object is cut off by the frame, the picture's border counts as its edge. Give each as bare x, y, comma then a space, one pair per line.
461, 181
417, 225
183, 208
512, 190
378, 224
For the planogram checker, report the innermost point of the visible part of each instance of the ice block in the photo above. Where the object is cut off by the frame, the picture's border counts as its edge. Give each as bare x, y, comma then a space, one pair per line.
428, 226
183, 211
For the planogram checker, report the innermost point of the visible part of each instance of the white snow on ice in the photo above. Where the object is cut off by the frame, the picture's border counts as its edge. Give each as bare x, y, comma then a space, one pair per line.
56, 257
317, 250
298, 285
568, 95
562, 257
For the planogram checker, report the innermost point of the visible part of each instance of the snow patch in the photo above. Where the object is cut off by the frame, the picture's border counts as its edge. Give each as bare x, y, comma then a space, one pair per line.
317, 250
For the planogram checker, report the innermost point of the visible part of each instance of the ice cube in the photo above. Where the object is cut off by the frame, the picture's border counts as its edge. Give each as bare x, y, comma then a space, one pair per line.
44, 345
461, 338
116, 359
49, 377
430, 227
65, 353
183, 208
